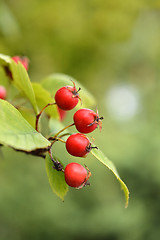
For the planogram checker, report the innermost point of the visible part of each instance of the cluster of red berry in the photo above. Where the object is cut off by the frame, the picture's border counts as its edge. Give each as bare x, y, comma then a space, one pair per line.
85, 121
77, 144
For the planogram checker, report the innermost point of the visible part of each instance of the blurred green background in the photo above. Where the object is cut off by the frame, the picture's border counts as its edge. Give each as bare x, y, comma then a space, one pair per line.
113, 48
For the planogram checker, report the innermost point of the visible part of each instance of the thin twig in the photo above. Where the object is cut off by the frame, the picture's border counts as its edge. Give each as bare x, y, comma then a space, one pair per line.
63, 129
55, 140
65, 134
40, 113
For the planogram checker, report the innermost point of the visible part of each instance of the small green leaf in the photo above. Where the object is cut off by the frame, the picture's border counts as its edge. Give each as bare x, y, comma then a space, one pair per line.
55, 81
56, 179
5, 60
43, 97
103, 159
23, 83
17, 133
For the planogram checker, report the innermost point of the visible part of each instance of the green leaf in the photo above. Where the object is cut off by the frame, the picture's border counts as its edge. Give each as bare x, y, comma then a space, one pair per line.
23, 83
103, 159
5, 60
43, 97
56, 179
17, 133
55, 81
28, 115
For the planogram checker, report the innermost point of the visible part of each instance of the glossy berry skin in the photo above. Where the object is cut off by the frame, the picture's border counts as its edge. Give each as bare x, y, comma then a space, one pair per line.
75, 174
78, 145
23, 60
3, 92
86, 120
67, 98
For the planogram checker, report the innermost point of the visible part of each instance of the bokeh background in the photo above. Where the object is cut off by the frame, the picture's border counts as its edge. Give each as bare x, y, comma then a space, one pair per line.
113, 48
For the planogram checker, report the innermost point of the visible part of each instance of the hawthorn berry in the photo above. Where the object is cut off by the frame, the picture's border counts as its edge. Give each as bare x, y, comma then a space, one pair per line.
67, 97
78, 145
76, 175
3, 92
86, 120
23, 60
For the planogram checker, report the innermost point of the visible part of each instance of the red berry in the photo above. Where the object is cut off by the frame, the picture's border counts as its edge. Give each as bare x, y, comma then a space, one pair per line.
62, 114
86, 120
75, 175
67, 97
23, 60
78, 145
3, 92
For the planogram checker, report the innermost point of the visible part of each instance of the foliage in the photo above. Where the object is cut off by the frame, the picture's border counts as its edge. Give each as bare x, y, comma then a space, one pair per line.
103, 44
17, 133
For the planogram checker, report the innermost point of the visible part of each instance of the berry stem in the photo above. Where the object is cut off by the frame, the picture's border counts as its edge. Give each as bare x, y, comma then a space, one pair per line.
62, 135
40, 113
65, 134
56, 139
55, 136
61, 140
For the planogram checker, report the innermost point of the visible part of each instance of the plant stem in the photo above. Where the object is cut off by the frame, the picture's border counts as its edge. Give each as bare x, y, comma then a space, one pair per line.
56, 139
40, 113
63, 129
61, 140
65, 134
